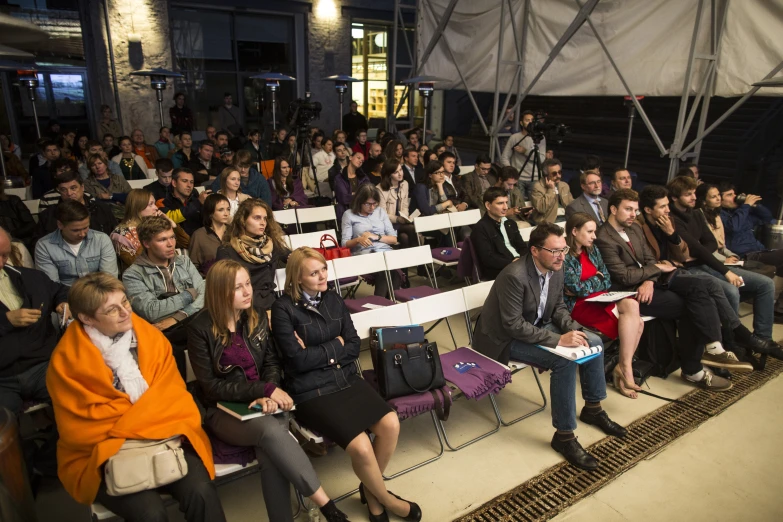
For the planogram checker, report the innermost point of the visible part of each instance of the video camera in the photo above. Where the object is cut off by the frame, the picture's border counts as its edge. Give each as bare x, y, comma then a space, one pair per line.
538, 129
302, 112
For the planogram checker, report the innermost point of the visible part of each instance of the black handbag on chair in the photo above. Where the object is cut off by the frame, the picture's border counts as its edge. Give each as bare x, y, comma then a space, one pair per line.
409, 369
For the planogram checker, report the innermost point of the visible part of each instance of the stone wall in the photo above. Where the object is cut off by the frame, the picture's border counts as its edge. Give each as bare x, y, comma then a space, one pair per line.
149, 21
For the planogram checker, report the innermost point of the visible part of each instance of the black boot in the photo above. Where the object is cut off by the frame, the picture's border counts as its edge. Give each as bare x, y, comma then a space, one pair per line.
332, 514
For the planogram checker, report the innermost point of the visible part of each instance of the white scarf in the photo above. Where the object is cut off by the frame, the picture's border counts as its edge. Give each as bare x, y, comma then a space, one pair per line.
117, 356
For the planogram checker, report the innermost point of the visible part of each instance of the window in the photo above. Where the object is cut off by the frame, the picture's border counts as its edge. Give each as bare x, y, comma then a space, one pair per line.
369, 59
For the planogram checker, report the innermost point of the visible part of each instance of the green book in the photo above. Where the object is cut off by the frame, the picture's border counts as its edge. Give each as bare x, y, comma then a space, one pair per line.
240, 410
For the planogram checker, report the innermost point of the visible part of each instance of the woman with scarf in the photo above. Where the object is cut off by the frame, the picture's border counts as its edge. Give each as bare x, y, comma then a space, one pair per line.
255, 240
112, 379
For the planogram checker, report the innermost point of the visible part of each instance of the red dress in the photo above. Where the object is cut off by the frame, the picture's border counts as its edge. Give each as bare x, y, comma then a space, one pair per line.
598, 316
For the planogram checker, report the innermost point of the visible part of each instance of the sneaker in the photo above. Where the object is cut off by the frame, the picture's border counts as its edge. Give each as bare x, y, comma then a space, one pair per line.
726, 360
710, 382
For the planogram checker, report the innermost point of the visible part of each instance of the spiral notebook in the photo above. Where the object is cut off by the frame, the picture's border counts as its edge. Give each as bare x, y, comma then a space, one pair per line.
577, 354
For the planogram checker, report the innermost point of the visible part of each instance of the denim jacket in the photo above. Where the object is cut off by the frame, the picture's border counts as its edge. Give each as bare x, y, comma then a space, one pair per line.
55, 258
326, 365
572, 269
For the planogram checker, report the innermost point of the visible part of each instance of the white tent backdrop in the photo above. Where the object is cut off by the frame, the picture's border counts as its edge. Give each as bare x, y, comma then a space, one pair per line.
648, 39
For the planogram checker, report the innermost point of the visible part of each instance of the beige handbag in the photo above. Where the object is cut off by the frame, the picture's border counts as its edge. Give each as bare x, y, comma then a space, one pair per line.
145, 464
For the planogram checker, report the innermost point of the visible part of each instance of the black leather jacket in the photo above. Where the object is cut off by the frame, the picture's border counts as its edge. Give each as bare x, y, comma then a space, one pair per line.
219, 383
326, 365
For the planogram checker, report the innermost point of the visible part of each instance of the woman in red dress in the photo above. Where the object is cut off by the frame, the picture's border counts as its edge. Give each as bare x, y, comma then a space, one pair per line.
586, 276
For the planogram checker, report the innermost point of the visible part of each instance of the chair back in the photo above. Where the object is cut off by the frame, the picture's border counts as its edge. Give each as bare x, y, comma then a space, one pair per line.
355, 266
468, 266
32, 205
287, 241
434, 307
525, 233
430, 223
407, 257
464, 219
311, 239
138, 183
395, 315
285, 217
316, 215
475, 295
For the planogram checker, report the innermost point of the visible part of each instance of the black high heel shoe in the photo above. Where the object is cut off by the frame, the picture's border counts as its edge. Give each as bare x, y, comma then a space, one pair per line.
414, 514
383, 517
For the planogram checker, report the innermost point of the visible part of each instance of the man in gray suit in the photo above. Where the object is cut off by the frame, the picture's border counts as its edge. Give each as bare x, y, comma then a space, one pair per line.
590, 202
524, 309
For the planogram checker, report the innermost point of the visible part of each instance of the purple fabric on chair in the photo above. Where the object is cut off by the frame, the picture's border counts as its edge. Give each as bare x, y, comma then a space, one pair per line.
225, 453
468, 262
409, 406
440, 254
409, 294
489, 377
357, 305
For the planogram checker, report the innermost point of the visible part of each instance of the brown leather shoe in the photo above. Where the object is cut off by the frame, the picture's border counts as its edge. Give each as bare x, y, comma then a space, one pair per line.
710, 382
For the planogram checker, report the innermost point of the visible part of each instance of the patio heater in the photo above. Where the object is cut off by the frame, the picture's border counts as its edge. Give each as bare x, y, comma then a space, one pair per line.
158, 82
631, 115
426, 86
341, 82
273, 80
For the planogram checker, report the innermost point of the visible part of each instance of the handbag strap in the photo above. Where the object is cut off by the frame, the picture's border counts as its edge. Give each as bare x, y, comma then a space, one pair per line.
442, 408
432, 364
328, 237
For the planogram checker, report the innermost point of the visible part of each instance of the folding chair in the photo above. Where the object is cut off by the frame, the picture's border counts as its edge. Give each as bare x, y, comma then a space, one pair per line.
437, 307
525, 233
286, 218
310, 239
287, 241
474, 296
441, 256
348, 270
458, 220
138, 183
402, 259
317, 215
468, 266
394, 315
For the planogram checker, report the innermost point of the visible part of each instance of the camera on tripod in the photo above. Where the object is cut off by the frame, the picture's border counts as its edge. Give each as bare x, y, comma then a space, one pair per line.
538, 129
302, 112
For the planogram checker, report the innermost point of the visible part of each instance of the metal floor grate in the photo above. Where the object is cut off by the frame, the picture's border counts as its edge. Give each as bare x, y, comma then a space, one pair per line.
543, 497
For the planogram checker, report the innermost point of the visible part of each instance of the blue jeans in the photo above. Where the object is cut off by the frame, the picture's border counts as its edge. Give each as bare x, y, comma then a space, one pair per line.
562, 385
26, 386
760, 287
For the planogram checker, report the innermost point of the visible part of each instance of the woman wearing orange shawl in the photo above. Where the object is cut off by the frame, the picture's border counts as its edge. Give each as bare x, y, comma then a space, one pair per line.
112, 377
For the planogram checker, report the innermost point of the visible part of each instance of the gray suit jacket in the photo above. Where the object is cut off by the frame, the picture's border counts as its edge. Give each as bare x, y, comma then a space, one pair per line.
621, 261
511, 309
581, 204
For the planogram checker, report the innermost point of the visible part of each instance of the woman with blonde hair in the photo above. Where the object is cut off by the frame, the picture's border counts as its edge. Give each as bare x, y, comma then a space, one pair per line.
235, 360
112, 378
102, 184
586, 276
139, 204
231, 188
320, 348
255, 240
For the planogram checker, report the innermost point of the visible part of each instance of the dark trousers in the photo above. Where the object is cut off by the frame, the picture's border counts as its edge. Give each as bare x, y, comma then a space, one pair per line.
769, 257
382, 286
197, 496
177, 335
26, 386
406, 235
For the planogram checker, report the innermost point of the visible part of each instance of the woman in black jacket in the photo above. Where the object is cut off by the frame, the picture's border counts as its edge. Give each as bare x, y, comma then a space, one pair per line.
235, 360
255, 240
320, 347
16, 219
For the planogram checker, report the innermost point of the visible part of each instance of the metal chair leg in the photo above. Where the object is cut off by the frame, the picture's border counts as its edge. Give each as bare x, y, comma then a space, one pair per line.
529, 414
428, 461
468, 443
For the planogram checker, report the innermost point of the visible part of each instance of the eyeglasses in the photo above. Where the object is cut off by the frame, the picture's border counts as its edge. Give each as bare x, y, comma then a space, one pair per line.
372, 204
438, 172
553, 172
114, 311
558, 252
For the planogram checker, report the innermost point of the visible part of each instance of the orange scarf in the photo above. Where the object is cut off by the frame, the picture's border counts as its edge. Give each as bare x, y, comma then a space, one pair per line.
94, 418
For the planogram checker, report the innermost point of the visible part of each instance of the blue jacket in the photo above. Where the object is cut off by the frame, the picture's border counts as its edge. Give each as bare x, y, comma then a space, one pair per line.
739, 225
256, 186
572, 269
55, 258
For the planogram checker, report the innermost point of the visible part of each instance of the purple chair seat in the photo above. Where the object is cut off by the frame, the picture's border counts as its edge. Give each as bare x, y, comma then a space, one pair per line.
411, 405
357, 305
409, 294
439, 253
347, 280
487, 377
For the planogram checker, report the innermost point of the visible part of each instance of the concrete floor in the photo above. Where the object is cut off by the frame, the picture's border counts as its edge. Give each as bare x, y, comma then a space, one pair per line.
725, 470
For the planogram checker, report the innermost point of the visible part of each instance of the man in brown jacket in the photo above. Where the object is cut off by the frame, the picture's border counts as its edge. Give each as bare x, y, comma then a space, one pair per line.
148, 152
549, 194
475, 183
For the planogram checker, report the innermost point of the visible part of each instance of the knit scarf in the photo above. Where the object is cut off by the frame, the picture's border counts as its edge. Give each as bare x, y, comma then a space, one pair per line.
117, 355
253, 250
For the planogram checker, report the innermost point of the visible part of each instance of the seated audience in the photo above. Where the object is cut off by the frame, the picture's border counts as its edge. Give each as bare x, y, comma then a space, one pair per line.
361, 144
16, 218
182, 205
206, 240
226, 157
692, 171
132, 165
323, 160
220, 338
340, 162
414, 172
164, 146
254, 146
348, 182
39, 167
395, 200
160, 187
475, 183
183, 156
230, 187
590, 201
14, 168
524, 309
434, 196
70, 187
95, 149
251, 182
591, 164
285, 190
496, 239
58, 167
366, 229
452, 181
112, 378
549, 194
204, 165
708, 202
74, 249
394, 149
621, 179
255, 240
140, 204
518, 209
448, 141
27, 299
104, 185
109, 146
339, 136
109, 125
148, 152
6, 142
278, 145
320, 349
586, 276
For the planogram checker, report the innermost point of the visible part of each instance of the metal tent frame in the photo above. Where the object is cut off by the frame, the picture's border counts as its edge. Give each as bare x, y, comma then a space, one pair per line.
677, 152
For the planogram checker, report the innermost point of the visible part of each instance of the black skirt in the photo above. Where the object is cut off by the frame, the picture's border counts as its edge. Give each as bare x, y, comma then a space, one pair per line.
343, 415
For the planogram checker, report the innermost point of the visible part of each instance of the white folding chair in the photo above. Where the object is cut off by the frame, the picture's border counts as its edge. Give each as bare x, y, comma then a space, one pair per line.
287, 217
280, 281
151, 174
32, 205
475, 296
200, 189
138, 183
458, 220
317, 215
466, 169
349, 269
441, 256
310, 239
525, 233
287, 241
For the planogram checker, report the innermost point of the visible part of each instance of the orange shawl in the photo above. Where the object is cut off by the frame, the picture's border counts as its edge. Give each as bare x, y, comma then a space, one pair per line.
94, 418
